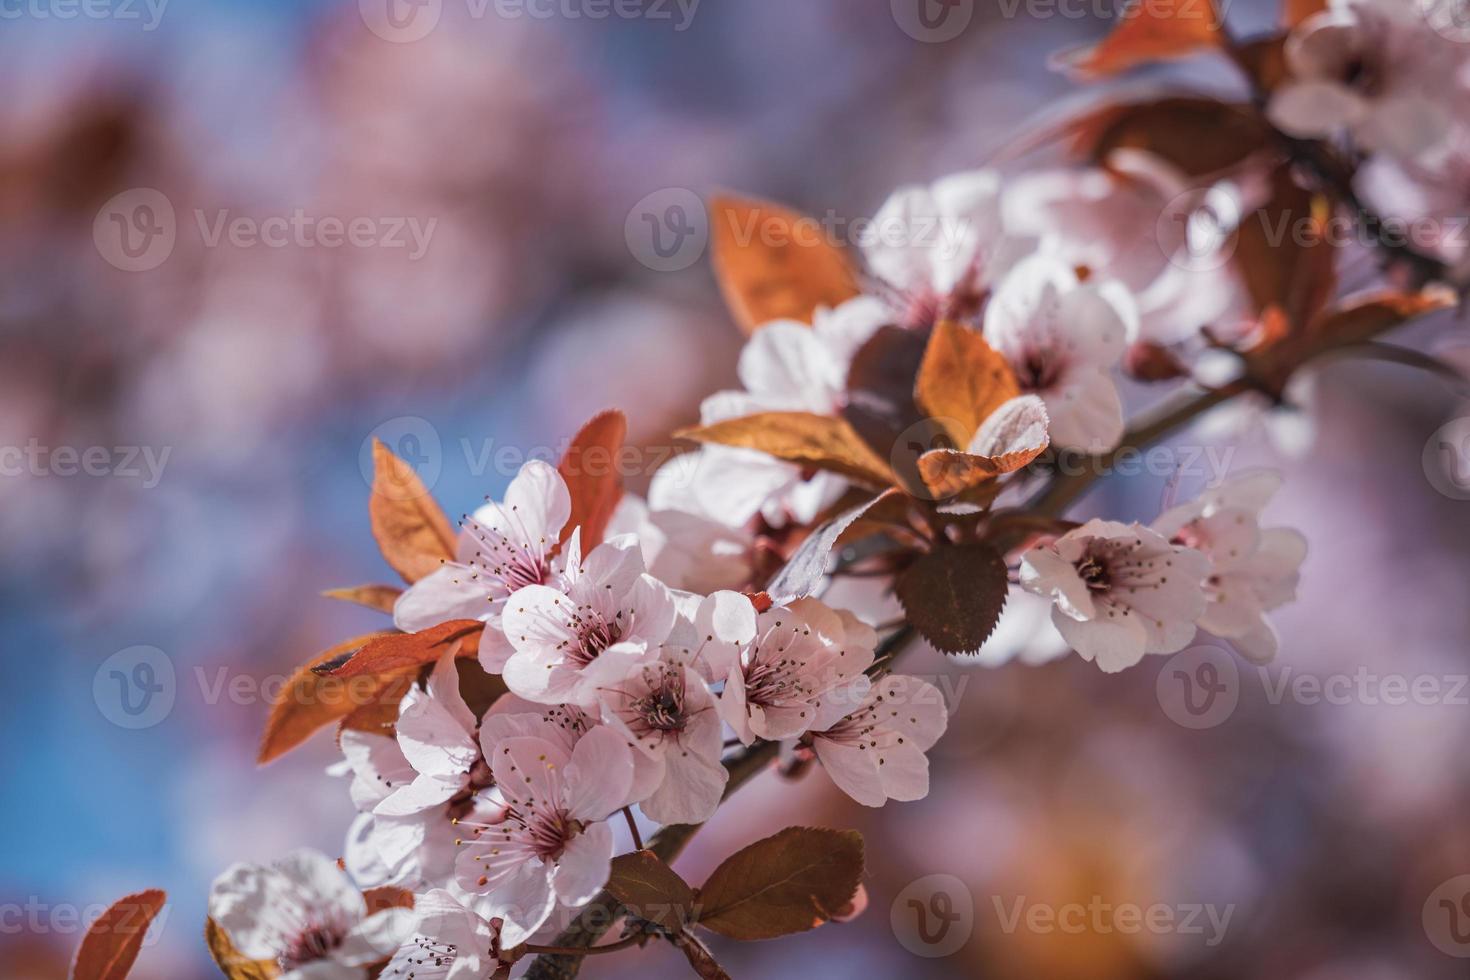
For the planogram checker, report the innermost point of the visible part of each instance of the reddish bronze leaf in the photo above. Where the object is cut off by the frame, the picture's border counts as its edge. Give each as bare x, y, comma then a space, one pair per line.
790, 882
590, 468
954, 595
1293, 12
1148, 31
379, 597
1197, 135
651, 890
820, 441
1368, 316
112, 943
773, 263
1013, 436
411, 530
310, 700
406, 651
1285, 254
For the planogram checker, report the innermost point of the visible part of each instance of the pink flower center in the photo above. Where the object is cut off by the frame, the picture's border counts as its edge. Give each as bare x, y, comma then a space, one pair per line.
314, 942
595, 634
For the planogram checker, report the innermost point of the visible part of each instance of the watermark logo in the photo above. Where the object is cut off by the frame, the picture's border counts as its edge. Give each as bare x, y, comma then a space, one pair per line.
934, 916
147, 12
1196, 230
668, 230
1446, 917
135, 231
401, 21
1446, 459
413, 440
1100, 916
933, 21
1449, 19
1199, 688
135, 688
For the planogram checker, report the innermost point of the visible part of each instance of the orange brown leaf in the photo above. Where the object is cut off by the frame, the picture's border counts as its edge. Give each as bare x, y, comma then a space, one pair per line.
823, 442
1149, 31
962, 380
379, 597
406, 651
590, 469
790, 882
112, 942
773, 263
411, 530
310, 700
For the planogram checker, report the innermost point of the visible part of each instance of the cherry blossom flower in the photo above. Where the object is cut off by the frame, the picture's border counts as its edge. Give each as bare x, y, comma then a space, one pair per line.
801, 671
1119, 591
1374, 68
686, 550
502, 547
549, 842
569, 642
449, 942
1061, 337
305, 915
1255, 569
669, 714
1141, 223
938, 249
876, 754
412, 786
786, 366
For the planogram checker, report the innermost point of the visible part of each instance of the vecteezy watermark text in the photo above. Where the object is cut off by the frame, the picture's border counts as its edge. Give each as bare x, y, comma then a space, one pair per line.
1100, 916
148, 12
144, 463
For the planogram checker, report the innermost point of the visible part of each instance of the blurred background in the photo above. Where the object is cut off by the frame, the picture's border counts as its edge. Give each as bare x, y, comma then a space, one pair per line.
185, 405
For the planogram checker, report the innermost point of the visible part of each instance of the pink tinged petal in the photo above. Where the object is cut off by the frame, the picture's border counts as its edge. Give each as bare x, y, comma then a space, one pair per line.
1025, 313
523, 899
529, 770
449, 592
376, 937
1259, 644
853, 769
537, 505
318, 880
911, 708
613, 566
1168, 636
733, 707
903, 772
1086, 413
1250, 492
538, 618
724, 622
653, 611
1233, 608
893, 250
845, 328
436, 730
1048, 574
495, 649
1100, 319
1113, 643
399, 839
1314, 109
378, 767
329, 969
1407, 126
691, 789
784, 358
836, 703
424, 793
1229, 537
600, 776
584, 865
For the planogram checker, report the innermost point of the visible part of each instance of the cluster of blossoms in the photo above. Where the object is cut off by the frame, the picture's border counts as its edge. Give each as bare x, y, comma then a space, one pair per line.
905, 419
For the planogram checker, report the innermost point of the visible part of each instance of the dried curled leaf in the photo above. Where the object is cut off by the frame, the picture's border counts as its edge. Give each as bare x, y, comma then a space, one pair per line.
379, 597
962, 380
1013, 436
790, 882
954, 595
651, 890
310, 700
590, 469
773, 263
1368, 316
823, 442
411, 530
230, 961
1148, 31
405, 651
112, 943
